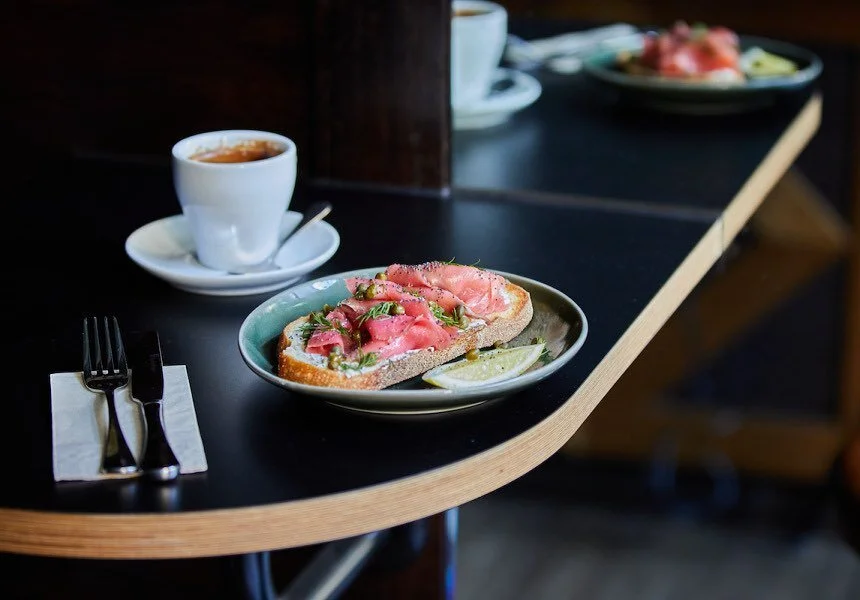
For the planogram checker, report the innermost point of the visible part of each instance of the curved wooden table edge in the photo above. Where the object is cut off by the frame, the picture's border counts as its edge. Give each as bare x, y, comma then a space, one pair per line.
306, 522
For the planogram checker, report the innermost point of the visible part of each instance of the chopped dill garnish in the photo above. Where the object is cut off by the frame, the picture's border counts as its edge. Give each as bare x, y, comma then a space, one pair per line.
440, 314
317, 322
364, 360
545, 356
378, 310
452, 262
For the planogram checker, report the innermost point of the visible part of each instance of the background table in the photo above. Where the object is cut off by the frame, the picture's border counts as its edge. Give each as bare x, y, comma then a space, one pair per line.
793, 246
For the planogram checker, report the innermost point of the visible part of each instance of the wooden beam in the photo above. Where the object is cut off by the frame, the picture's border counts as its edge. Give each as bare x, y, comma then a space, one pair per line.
796, 214
797, 236
803, 450
850, 402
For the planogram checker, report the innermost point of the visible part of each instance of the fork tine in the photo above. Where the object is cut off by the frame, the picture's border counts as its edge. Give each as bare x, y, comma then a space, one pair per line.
88, 362
119, 348
97, 348
108, 347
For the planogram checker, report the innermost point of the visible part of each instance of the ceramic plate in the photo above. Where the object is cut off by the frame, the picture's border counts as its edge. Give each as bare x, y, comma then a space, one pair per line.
556, 318
165, 249
512, 91
671, 95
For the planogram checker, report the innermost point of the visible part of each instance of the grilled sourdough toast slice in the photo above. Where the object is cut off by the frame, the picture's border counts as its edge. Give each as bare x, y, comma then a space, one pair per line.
297, 365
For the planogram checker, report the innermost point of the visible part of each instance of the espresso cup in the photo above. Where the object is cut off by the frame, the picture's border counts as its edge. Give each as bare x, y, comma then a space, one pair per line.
479, 32
234, 187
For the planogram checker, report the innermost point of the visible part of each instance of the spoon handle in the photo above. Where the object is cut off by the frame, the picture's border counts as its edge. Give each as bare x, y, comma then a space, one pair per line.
315, 212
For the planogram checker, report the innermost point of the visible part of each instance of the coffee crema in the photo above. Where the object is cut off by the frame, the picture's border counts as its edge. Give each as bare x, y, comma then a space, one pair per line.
247, 151
469, 12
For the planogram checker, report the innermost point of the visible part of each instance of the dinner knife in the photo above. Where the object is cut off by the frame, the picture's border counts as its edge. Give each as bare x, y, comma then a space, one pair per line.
147, 388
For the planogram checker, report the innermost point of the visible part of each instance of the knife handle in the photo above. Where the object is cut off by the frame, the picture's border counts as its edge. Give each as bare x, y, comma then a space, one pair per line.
159, 462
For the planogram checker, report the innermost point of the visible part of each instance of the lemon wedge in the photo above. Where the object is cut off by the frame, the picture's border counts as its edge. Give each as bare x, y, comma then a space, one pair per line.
491, 366
756, 62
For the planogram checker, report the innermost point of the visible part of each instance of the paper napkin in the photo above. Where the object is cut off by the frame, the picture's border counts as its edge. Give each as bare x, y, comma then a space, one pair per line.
564, 53
79, 425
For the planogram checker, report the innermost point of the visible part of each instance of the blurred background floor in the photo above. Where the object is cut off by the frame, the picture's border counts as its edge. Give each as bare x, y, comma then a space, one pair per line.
615, 542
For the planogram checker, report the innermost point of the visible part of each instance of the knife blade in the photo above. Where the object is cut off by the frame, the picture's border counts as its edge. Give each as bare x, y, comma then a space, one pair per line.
147, 388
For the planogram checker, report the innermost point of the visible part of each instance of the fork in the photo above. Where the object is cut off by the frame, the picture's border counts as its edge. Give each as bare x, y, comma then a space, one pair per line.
104, 372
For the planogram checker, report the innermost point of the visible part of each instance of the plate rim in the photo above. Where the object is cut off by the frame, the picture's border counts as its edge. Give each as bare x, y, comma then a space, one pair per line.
223, 281
594, 65
423, 394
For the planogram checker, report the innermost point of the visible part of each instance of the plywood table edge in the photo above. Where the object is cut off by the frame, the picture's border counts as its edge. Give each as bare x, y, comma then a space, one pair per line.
326, 518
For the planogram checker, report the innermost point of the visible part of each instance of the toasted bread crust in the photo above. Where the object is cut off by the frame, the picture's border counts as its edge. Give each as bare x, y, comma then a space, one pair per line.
293, 363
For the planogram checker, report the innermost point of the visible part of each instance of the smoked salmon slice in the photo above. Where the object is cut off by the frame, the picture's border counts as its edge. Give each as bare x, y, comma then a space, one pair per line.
324, 339
692, 52
413, 308
480, 291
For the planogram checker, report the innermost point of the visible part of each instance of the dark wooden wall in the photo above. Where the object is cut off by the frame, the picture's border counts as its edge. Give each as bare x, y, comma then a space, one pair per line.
830, 21
360, 86
130, 79
380, 109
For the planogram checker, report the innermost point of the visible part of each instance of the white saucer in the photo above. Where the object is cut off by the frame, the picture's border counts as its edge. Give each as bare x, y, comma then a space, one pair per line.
165, 249
498, 106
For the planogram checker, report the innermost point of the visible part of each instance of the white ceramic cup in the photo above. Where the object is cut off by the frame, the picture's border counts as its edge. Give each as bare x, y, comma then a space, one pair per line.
234, 210
477, 44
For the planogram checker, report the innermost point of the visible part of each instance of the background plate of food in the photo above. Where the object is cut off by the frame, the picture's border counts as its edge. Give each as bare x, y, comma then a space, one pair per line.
303, 339
704, 70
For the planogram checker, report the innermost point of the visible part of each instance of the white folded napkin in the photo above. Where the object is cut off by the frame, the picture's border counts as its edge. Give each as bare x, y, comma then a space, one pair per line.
564, 53
79, 425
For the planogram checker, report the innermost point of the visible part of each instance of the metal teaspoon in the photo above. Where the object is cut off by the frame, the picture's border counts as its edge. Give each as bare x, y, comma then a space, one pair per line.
315, 212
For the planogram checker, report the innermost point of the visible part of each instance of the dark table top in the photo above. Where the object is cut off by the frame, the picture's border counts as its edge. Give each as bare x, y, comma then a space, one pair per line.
576, 140
287, 470
263, 444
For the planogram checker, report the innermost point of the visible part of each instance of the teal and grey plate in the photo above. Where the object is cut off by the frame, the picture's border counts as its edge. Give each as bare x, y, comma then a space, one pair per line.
557, 319
704, 98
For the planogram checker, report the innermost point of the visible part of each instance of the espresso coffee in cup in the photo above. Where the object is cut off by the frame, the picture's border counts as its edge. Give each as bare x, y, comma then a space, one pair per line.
247, 151
468, 12
234, 188
479, 32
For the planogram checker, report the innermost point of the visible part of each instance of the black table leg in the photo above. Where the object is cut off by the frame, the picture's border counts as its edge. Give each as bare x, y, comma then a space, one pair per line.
452, 526
254, 576
334, 568
338, 563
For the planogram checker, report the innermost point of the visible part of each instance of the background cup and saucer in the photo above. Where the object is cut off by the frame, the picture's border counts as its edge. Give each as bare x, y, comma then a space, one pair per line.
483, 93
234, 188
